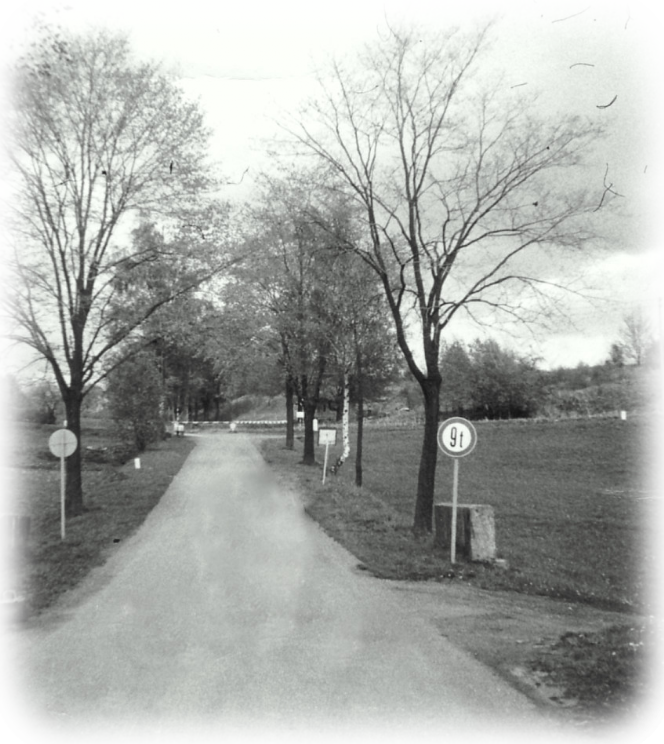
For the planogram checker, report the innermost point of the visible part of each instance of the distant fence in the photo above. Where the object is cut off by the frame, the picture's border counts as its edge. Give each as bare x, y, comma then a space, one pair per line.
378, 423
388, 423
241, 424
411, 422
193, 425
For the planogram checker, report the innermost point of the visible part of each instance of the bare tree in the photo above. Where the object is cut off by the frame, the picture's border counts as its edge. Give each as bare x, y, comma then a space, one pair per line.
293, 269
361, 334
458, 182
96, 137
636, 338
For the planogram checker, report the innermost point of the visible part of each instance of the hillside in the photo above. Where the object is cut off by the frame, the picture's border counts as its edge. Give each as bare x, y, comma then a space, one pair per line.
579, 391
597, 390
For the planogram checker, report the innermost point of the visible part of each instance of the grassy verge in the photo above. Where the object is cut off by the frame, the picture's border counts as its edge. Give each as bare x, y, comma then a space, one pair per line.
572, 510
118, 497
570, 502
376, 533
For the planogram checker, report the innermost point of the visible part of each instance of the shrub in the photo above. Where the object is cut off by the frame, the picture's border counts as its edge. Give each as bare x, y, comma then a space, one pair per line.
135, 394
486, 381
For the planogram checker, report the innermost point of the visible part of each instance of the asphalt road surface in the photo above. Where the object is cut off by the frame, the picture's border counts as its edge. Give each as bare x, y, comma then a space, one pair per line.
231, 607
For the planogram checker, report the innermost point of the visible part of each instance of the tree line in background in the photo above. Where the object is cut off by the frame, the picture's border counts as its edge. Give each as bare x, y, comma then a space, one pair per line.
37, 402
485, 381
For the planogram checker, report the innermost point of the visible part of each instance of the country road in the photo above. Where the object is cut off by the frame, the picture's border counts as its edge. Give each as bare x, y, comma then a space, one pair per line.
230, 607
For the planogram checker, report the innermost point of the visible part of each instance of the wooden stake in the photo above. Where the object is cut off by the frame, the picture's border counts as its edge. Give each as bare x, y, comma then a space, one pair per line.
327, 447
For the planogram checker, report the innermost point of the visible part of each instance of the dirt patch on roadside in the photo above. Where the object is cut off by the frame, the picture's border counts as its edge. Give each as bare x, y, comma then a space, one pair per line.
508, 630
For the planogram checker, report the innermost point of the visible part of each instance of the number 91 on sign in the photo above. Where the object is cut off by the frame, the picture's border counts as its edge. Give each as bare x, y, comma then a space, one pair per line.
457, 437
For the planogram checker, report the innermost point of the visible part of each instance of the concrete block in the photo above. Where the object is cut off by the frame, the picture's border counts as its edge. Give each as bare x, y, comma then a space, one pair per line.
14, 532
475, 532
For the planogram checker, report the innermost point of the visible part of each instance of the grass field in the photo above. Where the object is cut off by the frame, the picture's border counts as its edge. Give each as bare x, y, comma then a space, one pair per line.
579, 505
117, 498
579, 508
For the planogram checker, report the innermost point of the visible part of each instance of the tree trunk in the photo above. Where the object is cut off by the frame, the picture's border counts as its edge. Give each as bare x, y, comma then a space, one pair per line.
345, 424
340, 400
360, 423
290, 426
346, 419
73, 463
309, 456
423, 520
309, 395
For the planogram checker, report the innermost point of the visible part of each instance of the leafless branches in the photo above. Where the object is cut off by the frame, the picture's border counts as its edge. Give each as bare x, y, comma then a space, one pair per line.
458, 184
97, 138
608, 189
455, 185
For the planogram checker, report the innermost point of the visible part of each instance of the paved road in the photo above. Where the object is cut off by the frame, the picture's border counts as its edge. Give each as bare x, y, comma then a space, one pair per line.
230, 606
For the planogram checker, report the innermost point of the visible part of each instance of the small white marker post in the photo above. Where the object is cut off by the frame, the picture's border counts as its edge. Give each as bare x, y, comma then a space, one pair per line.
456, 438
327, 437
62, 443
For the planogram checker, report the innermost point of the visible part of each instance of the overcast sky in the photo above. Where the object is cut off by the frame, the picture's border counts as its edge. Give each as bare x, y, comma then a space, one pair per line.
249, 61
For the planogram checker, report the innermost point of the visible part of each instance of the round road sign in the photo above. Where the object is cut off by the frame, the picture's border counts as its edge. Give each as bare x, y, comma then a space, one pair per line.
62, 442
457, 437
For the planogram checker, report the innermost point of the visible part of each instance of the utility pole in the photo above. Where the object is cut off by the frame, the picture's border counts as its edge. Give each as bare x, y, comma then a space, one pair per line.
661, 350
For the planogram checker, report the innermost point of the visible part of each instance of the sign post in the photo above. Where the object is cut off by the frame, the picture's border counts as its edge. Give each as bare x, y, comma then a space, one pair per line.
456, 438
62, 443
327, 437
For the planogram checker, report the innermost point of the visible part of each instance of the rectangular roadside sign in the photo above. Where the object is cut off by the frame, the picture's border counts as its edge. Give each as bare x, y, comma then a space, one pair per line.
327, 436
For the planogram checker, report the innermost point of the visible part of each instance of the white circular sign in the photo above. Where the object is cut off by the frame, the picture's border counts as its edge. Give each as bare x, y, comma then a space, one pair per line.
62, 442
457, 437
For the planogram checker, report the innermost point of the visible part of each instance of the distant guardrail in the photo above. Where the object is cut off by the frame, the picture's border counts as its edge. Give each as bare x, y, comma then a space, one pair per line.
226, 424
412, 422
381, 423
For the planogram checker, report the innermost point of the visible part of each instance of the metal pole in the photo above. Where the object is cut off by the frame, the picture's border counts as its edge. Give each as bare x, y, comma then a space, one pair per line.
661, 350
62, 497
455, 484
